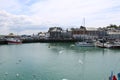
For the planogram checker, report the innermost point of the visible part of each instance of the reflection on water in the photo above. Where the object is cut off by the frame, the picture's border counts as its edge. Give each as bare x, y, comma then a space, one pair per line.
94, 57
57, 61
68, 46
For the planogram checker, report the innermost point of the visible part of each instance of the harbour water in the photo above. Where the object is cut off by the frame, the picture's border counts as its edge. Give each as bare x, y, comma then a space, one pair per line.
57, 61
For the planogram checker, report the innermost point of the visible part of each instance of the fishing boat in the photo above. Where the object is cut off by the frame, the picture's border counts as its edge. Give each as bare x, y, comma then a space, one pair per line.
14, 41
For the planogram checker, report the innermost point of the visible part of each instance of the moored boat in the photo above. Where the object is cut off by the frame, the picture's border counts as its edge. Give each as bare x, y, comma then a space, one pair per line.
113, 44
107, 44
14, 41
99, 44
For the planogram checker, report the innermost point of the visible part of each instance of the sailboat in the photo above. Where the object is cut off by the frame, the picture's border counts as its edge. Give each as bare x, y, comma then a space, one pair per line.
85, 43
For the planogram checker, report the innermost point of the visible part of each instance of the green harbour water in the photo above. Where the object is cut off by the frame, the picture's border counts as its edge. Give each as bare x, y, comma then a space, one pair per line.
57, 61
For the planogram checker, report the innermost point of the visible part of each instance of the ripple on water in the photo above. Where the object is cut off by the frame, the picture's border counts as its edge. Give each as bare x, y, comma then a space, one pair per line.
34, 76
80, 61
60, 52
6, 73
20, 60
64, 79
72, 45
17, 75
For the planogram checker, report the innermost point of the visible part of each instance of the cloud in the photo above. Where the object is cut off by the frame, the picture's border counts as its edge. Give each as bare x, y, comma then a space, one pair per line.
18, 23
29, 16
12, 6
70, 12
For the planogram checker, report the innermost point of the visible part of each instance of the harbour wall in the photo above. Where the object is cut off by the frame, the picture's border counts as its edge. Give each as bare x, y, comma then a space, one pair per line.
42, 41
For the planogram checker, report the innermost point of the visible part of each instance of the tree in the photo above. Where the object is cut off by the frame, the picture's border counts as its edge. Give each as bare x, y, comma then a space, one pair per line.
11, 34
112, 26
82, 27
72, 29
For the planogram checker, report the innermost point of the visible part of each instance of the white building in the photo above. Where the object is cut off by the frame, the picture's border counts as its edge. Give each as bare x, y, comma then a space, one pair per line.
114, 34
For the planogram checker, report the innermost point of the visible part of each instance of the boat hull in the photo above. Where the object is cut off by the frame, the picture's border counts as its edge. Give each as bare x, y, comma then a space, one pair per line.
108, 44
14, 41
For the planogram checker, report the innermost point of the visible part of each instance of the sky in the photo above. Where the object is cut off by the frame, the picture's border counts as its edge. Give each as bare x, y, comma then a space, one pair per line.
33, 16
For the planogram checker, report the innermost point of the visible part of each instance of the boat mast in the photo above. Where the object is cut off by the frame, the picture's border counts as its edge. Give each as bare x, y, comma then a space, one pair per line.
84, 27
84, 22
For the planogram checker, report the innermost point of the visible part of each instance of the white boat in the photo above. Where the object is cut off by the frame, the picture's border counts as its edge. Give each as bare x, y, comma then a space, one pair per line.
99, 44
14, 41
112, 44
108, 44
85, 44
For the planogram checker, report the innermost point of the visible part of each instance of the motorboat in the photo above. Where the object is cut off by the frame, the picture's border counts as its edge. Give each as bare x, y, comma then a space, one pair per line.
99, 44
107, 44
113, 44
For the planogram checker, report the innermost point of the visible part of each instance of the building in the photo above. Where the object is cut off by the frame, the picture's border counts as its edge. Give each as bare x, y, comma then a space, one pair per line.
113, 34
102, 33
55, 32
83, 33
92, 33
66, 34
78, 34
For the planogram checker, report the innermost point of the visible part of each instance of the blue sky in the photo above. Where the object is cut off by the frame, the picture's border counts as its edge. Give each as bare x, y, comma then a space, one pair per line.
33, 16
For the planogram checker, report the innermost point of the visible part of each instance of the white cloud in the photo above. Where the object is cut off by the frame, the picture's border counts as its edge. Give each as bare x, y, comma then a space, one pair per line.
10, 5
17, 23
66, 13
70, 12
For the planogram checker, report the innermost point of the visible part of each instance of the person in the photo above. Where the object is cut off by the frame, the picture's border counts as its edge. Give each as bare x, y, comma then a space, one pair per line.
118, 75
114, 77
111, 76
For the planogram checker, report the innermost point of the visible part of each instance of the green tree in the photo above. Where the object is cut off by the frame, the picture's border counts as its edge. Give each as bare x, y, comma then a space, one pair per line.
82, 27
112, 26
